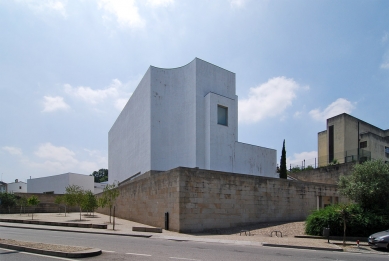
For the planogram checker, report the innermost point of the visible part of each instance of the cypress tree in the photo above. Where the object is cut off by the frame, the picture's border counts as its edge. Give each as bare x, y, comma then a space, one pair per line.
283, 170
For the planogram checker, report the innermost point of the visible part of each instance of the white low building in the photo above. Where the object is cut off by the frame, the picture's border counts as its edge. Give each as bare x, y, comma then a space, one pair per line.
57, 184
17, 187
187, 116
99, 187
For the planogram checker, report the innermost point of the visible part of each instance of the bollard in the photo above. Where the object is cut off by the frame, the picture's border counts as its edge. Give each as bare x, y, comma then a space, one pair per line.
358, 243
166, 220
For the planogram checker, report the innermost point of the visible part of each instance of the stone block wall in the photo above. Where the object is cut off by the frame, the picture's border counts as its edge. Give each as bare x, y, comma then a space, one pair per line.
328, 175
211, 199
145, 200
199, 200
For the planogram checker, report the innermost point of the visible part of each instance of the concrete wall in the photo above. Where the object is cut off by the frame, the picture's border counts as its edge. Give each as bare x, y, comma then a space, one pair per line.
347, 138
376, 145
17, 187
173, 117
58, 183
328, 174
199, 200
171, 121
322, 144
129, 138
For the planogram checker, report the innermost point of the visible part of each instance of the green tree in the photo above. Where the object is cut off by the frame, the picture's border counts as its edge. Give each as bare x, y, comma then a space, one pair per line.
22, 202
344, 211
33, 201
110, 193
74, 196
368, 185
60, 200
100, 176
7, 200
90, 202
283, 170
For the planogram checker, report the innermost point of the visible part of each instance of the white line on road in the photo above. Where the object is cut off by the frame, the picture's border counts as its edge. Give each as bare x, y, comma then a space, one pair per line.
183, 258
107, 251
136, 254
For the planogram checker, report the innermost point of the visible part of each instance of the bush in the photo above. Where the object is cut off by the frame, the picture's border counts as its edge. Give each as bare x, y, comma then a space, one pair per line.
360, 222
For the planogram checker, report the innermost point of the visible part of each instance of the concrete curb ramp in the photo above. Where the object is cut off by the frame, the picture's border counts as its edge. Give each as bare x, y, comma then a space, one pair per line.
147, 229
304, 247
78, 254
79, 231
49, 223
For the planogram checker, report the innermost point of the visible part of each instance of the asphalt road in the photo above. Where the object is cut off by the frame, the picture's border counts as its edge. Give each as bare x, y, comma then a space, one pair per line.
149, 249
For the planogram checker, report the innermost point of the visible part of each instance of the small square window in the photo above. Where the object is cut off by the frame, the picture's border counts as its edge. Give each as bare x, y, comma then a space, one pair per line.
363, 144
20, 187
222, 115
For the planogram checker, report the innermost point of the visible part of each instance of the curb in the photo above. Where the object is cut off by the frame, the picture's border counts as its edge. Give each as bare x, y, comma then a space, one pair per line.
79, 254
77, 231
361, 239
304, 247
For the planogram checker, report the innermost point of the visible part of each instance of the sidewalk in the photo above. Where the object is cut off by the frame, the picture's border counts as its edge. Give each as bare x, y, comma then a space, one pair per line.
124, 228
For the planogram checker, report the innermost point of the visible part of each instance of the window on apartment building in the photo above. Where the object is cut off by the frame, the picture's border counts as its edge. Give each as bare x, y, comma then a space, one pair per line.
363, 144
20, 187
222, 115
387, 152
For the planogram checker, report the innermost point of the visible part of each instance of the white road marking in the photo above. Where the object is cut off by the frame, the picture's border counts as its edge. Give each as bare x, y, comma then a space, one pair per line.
33, 254
183, 258
107, 251
136, 254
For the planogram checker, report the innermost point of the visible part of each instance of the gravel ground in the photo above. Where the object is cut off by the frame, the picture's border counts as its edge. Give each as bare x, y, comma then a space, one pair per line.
42, 246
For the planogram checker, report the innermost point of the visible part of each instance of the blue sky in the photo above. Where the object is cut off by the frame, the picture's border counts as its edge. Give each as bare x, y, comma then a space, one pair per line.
68, 67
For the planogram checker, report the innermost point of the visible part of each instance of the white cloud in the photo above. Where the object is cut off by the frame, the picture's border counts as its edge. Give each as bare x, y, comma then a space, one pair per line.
116, 93
158, 3
125, 11
46, 6
54, 103
268, 100
237, 3
94, 96
51, 152
337, 107
385, 65
298, 159
13, 150
49, 159
297, 114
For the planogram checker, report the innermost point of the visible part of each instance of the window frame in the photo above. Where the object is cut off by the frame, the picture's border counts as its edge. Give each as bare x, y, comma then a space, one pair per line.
226, 115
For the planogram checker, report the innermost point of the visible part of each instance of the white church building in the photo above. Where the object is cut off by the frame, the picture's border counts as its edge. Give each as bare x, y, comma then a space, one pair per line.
184, 117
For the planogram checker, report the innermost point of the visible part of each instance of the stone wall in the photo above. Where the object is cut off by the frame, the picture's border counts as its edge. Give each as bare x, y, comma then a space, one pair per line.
211, 199
328, 175
199, 200
146, 200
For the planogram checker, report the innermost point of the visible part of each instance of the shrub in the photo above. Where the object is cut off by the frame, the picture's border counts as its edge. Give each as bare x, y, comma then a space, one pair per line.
359, 223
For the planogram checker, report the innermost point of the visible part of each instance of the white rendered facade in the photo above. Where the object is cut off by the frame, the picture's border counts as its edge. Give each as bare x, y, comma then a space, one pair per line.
171, 120
57, 184
17, 187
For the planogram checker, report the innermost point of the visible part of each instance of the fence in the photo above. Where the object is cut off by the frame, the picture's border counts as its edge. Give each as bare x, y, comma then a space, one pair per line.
355, 155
